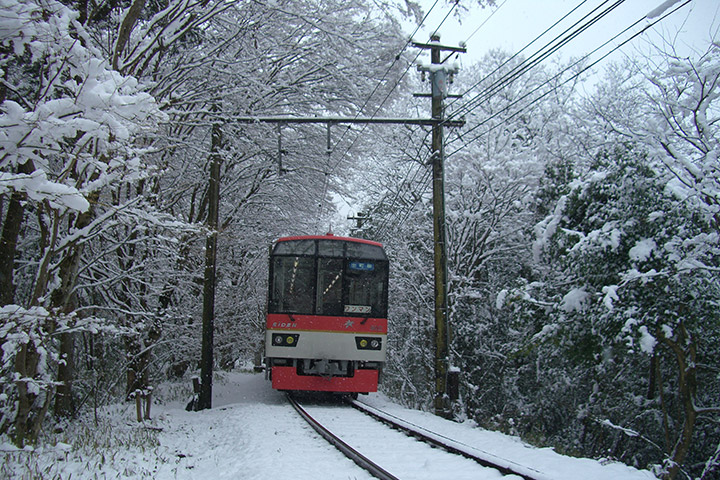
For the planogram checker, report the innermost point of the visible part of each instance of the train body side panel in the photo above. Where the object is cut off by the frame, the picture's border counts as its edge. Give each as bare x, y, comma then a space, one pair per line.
284, 321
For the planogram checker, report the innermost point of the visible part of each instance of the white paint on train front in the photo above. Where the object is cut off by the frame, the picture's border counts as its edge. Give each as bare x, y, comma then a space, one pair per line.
326, 345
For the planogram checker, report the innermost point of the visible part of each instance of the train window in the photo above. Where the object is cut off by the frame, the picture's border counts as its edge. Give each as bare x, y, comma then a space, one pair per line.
364, 250
366, 282
329, 288
330, 248
293, 281
295, 247
328, 277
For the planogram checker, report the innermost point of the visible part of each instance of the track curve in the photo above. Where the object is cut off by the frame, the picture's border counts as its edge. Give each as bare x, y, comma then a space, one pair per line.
390, 453
359, 459
506, 467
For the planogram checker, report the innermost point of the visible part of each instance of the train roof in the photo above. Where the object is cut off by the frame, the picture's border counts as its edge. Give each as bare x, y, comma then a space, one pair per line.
329, 236
329, 246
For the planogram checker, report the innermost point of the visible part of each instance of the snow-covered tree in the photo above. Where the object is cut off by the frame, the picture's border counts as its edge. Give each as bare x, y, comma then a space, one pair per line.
71, 128
628, 262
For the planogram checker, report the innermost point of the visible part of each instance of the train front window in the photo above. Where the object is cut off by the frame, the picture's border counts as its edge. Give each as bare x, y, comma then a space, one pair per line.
365, 284
329, 288
328, 277
363, 250
329, 248
293, 284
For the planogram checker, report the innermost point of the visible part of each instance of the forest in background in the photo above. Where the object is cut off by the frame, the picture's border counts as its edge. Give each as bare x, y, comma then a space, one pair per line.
583, 217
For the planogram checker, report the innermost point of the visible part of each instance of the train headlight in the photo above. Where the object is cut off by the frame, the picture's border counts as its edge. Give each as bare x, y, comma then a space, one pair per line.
285, 339
368, 343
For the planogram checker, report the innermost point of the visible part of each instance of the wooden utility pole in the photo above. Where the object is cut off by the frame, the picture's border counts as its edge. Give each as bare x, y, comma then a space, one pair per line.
206, 355
438, 78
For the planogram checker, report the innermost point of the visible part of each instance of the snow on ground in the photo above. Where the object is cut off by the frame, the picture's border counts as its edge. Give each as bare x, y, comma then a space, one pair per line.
508, 450
252, 433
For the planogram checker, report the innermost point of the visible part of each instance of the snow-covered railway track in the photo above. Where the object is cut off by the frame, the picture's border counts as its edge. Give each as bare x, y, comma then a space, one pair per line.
485, 459
362, 461
390, 453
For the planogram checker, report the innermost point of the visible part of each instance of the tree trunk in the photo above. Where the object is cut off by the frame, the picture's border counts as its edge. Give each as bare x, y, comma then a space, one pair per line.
126, 28
8, 240
26, 362
64, 298
64, 402
206, 360
8, 247
684, 349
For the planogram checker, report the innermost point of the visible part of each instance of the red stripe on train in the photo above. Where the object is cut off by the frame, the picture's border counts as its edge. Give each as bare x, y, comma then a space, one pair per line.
282, 321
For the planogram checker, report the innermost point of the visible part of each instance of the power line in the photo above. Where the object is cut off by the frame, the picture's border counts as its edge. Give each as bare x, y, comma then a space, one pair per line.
520, 51
505, 109
542, 54
538, 56
419, 192
377, 86
397, 58
424, 180
484, 22
381, 228
437, 110
424, 183
397, 83
446, 17
406, 181
387, 96
559, 74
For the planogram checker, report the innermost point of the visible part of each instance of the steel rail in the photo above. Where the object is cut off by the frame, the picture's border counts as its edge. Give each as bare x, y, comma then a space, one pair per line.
359, 459
507, 468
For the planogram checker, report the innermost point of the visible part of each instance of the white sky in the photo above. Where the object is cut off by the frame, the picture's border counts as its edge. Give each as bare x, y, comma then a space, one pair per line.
517, 22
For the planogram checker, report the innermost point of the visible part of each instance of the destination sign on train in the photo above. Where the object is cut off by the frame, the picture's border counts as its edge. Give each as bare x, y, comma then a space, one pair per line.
364, 266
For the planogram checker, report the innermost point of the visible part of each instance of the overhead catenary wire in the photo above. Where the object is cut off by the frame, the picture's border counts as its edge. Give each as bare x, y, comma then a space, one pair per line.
539, 56
381, 230
401, 215
396, 197
387, 72
387, 96
332, 149
467, 40
406, 181
571, 78
397, 83
424, 182
516, 54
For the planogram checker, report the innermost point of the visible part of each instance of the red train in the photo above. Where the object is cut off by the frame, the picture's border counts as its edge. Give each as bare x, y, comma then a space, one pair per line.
326, 326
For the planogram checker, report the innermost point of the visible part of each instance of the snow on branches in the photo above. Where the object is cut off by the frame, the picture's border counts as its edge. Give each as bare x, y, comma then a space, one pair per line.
65, 113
